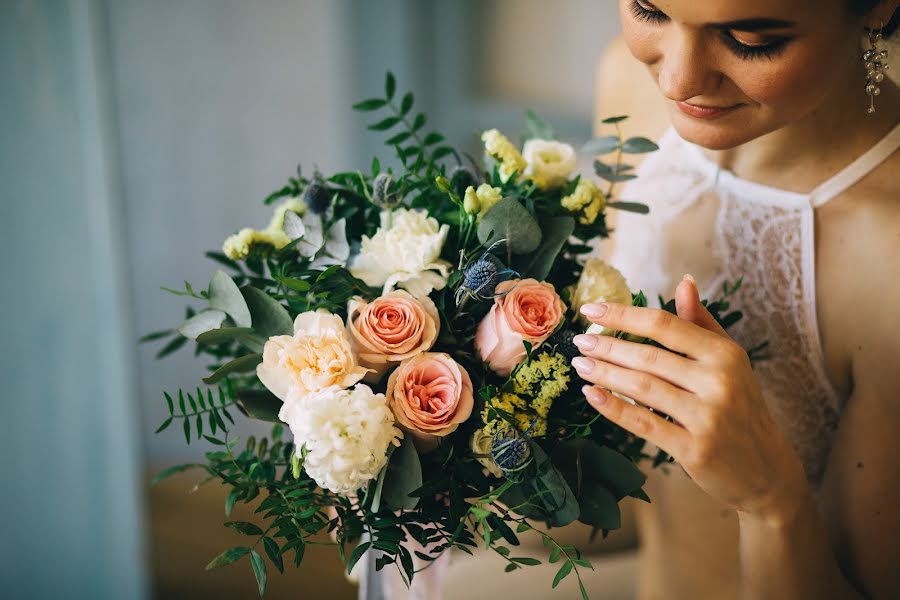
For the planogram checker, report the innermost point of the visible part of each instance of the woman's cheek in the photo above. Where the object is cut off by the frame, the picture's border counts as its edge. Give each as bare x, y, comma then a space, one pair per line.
642, 42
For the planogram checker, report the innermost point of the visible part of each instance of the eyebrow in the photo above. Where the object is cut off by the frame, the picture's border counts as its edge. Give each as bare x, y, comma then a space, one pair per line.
754, 24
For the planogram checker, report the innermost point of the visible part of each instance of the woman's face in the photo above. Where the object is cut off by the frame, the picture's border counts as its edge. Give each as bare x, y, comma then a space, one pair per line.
733, 70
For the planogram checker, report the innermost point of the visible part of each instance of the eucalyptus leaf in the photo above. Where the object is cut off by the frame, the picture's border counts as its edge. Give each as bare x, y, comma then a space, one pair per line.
260, 404
313, 236
200, 323
599, 507
635, 207
511, 221
293, 225
404, 475
601, 145
243, 364
639, 145
269, 316
220, 336
224, 295
556, 230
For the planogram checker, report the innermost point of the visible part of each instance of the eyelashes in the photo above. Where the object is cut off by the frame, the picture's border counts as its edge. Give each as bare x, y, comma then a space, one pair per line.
741, 50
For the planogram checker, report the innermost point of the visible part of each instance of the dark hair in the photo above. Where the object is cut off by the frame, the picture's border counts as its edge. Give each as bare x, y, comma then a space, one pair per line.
862, 7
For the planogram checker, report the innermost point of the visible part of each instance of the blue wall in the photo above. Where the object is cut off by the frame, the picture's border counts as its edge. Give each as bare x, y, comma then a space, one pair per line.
71, 511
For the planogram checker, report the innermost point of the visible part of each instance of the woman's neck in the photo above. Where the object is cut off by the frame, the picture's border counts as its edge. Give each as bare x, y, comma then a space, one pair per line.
805, 153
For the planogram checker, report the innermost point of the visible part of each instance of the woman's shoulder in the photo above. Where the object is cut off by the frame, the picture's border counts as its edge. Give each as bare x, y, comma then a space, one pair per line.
624, 86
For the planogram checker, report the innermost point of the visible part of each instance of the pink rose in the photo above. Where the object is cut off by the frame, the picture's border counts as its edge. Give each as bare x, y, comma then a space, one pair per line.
391, 329
529, 312
430, 395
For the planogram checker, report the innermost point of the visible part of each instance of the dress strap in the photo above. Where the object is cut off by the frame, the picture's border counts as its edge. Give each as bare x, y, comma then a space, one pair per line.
858, 169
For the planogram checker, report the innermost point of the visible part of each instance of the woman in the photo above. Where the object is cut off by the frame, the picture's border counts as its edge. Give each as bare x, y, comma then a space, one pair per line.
771, 167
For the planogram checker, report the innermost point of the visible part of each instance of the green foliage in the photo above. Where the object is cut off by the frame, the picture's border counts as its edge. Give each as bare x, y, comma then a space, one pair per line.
443, 500
508, 220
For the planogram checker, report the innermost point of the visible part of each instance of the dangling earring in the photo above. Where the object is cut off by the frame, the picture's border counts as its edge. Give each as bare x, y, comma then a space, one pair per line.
876, 65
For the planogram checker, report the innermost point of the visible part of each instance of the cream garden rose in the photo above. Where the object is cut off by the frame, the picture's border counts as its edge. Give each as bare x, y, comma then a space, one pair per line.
391, 329
550, 164
319, 355
405, 252
599, 282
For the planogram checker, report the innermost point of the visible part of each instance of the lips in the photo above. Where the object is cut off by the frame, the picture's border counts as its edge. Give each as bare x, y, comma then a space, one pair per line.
705, 112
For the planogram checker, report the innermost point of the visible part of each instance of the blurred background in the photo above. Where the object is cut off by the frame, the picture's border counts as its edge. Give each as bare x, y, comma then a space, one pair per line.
135, 136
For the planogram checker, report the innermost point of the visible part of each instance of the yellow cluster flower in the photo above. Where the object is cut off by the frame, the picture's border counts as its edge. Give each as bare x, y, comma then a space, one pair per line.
237, 246
498, 145
535, 387
481, 200
587, 199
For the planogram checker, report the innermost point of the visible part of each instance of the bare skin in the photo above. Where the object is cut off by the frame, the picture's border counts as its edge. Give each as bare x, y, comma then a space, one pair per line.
712, 535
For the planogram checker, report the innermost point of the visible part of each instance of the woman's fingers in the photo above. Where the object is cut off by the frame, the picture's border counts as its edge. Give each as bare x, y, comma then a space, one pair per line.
677, 370
643, 387
659, 325
641, 422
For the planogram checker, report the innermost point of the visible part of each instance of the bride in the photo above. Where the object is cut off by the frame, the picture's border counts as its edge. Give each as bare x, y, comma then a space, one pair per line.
778, 163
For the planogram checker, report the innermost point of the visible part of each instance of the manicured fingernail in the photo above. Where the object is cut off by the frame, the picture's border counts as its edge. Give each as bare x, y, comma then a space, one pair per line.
585, 342
594, 396
594, 311
582, 364
689, 277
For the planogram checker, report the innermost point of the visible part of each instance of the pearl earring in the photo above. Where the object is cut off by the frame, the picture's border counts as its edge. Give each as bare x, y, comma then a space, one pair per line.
876, 65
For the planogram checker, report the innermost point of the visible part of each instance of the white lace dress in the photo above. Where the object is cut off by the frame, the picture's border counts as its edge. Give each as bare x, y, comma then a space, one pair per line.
707, 222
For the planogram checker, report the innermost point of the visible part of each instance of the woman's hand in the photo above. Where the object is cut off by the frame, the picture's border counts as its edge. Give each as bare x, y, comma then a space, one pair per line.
723, 435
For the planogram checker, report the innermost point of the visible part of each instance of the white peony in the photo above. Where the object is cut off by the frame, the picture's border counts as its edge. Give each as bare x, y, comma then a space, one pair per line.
404, 252
549, 163
346, 434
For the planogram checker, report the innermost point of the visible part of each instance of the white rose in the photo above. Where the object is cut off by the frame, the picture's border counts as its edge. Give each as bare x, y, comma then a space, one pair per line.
319, 355
405, 253
549, 163
599, 282
346, 434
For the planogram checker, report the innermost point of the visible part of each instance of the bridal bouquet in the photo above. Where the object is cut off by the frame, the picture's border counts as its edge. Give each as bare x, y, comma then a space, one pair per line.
413, 330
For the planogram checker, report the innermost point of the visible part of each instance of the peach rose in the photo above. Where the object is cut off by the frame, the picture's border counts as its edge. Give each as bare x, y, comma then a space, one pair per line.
430, 394
391, 329
317, 356
529, 312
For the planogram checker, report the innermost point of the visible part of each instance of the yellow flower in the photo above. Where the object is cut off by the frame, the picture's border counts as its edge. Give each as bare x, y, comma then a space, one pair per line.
599, 282
535, 387
498, 145
237, 246
481, 200
587, 199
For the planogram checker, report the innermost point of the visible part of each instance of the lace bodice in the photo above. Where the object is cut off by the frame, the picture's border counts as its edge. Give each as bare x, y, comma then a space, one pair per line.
707, 222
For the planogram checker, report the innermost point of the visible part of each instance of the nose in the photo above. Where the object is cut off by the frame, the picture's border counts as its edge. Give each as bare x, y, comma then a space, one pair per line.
686, 69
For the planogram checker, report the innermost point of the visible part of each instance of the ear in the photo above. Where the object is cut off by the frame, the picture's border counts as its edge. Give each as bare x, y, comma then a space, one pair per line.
689, 308
882, 14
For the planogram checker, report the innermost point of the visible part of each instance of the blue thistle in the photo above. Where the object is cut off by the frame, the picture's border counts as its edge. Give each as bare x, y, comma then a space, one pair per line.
510, 451
316, 196
383, 195
481, 276
561, 342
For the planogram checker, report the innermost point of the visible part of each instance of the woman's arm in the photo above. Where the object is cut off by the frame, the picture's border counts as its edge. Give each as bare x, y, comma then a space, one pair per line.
793, 552
725, 439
